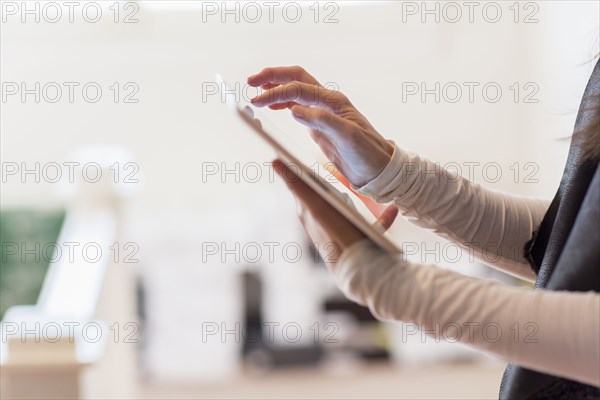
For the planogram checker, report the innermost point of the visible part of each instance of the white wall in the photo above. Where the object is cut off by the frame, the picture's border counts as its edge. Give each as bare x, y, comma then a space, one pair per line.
369, 53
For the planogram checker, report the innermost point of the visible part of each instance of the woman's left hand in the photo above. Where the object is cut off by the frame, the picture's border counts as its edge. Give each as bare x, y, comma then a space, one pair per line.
329, 230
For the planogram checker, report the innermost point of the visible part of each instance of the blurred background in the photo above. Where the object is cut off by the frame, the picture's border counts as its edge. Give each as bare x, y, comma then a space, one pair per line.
149, 252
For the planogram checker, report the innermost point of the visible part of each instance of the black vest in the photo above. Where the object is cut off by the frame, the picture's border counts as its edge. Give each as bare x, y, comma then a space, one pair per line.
565, 253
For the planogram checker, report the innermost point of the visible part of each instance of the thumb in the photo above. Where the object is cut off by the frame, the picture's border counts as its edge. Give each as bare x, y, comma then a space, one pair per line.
386, 219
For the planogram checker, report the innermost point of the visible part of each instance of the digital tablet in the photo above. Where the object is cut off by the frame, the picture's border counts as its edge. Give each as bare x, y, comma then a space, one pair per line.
323, 188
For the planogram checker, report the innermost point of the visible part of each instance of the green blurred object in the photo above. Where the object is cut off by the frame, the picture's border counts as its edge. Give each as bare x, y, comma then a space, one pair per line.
27, 241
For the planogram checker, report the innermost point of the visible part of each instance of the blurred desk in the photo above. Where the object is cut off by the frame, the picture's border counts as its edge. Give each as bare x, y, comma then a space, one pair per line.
479, 380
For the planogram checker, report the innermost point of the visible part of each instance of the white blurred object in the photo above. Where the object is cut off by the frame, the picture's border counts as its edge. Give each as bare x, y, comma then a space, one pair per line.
188, 297
101, 173
54, 339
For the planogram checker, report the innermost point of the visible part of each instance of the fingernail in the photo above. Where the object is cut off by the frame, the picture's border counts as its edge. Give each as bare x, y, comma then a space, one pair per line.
250, 79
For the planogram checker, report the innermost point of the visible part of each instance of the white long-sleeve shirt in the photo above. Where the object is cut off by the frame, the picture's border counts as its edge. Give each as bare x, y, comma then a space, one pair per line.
552, 332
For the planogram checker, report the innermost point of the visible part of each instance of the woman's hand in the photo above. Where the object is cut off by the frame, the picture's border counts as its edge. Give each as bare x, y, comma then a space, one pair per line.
346, 137
328, 229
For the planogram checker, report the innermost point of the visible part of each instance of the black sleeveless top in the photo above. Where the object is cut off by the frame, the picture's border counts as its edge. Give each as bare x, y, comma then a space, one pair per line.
565, 254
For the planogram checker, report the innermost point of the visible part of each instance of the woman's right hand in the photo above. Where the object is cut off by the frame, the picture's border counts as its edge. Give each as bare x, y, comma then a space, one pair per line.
346, 137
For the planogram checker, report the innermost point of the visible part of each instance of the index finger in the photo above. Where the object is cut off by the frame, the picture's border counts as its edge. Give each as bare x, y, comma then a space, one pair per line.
278, 75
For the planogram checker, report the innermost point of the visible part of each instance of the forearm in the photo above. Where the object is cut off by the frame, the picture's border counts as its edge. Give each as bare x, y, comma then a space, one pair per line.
552, 332
494, 226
